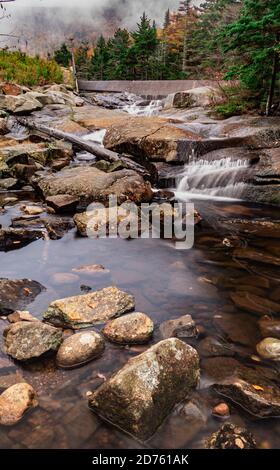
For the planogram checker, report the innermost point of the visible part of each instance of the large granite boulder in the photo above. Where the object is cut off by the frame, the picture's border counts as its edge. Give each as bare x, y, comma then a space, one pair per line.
90, 184
154, 138
140, 395
28, 340
201, 96
82, 311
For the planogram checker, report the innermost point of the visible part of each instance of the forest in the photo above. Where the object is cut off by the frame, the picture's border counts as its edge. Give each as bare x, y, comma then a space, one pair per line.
220, 39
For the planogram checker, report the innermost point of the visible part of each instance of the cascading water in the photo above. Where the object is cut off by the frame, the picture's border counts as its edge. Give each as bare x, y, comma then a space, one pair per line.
140, 109
203, 179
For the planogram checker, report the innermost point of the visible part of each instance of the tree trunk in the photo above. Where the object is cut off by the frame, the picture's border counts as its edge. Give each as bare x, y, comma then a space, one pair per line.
99, 152
272, 84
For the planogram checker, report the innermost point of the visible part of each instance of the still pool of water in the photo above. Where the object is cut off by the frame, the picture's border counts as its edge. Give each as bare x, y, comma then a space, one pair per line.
166, 283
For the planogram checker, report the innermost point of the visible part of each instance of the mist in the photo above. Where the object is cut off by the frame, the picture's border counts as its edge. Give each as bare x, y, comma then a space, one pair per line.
44, 24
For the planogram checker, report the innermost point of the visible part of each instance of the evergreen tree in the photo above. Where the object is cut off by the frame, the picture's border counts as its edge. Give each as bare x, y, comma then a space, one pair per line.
166, 19
63, 56
256, 37
145, 44
118, 46
100, 60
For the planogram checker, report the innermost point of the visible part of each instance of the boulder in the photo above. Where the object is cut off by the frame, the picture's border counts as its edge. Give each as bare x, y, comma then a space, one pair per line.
11, 89
15, 294
53, 226
90, 184
230, 436
201, 96
153, 138
63, 203
82, 311
80, 349
19, 104
269, 348
133, 328
140, 395
15, 402
182, 327
269, 327
29, 340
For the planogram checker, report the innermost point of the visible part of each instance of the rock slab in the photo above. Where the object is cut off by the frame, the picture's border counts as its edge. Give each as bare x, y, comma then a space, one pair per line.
82, 311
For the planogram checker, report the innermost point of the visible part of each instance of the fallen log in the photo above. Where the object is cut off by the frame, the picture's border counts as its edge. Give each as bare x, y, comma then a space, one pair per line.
95, 149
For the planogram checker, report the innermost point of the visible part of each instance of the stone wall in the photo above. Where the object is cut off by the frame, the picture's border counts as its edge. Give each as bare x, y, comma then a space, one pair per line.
149, 88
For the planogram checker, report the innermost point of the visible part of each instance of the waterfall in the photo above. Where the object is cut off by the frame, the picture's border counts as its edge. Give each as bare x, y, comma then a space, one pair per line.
215, 179
144, 109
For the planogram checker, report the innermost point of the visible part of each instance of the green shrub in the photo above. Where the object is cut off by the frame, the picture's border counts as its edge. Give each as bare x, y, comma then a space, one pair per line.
19, 68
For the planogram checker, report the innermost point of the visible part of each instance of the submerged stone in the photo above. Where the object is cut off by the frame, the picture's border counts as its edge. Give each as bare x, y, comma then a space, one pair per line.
63, 202
81, 311
28, 340
15, 401
79, 349
140, 395
15, 294
269, 327
259, 397
133, 328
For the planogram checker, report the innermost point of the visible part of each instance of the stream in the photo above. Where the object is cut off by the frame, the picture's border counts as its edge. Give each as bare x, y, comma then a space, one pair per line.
166, 283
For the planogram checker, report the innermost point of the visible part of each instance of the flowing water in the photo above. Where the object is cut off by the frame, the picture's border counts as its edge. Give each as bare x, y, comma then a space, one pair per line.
166, 283
151, 108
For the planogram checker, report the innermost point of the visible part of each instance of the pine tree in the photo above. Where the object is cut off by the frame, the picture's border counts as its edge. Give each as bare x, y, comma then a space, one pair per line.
145, 44
118, 46
166, 19
63, 56
256, 37
100, 59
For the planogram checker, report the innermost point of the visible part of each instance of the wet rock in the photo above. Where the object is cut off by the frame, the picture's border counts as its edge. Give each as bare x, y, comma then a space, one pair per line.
15, 402
182, 327
32, 210
21, 315
55, 227
256, 255
29, 153
19, 104
15, 294
257, 228
63, 203
269, 348
259, 397
213, 347
230, 436
8, 184
79, 349
269, 327
85, 310
139, 396
254, 304
154, 138
89, 184
221, 410
28, 340
239, 328
132, 328
91, 269
15, 238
